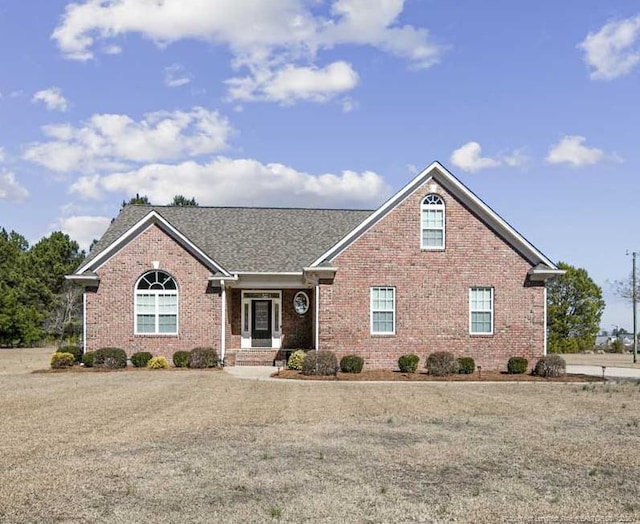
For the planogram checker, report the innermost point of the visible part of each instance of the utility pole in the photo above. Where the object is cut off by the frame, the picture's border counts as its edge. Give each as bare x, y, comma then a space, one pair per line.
634, 295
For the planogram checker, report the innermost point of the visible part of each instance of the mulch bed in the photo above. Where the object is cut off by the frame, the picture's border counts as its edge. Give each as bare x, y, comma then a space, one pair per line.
83, 369
385, 375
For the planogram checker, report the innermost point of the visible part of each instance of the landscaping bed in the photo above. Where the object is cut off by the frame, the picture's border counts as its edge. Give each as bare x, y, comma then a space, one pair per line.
386, 375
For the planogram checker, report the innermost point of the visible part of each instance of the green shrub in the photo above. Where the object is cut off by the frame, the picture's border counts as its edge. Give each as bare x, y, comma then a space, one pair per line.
76, 351
551, 366
62, 360
181, 359
351, 364
517, 365
87, 359
203, 358
320, 363
111, 358
466, 365
441, 363
158, 363
408, 363
296, 359
617, 346
141, 358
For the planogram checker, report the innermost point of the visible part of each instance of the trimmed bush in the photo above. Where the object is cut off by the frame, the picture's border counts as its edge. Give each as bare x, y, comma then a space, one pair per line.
466, 365
141, 358
320, 363
181, 359
441, 363
200, 358
617, 346
351, 364
62, 360
87, 359
76, 351
296, 359
408, 363
158, 363
550, 366
110, 358
517, 365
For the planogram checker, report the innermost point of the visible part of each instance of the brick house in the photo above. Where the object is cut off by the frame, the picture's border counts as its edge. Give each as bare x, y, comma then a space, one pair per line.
434, 268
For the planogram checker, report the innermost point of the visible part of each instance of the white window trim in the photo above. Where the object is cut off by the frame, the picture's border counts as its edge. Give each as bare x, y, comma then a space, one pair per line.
440, 207
492, 311
155, 292
371, 311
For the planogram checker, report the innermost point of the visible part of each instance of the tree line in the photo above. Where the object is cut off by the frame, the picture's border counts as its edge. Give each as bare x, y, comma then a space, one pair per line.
36, 301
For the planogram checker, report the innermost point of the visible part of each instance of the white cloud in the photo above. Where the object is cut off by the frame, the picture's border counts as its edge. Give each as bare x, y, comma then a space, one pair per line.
290, 84
2, 156
267, 38
83, 229
225, 181
571, 150
52, 98
10, 189
113, 141
176, 76
614, 50
469, 158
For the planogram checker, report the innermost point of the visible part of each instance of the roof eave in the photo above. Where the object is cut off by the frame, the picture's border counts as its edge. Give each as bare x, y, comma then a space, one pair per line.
541, 275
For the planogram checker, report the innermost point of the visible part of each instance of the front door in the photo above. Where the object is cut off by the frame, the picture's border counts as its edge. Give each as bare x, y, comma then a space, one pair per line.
261, 323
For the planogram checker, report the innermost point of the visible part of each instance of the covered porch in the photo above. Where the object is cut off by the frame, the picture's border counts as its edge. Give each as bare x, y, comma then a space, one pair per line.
268, 316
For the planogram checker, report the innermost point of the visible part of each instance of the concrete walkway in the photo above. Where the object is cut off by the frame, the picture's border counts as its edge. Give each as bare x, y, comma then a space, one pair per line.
610, 372
251, 372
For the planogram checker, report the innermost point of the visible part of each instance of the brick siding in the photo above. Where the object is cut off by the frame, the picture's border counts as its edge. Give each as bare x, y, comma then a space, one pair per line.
110, 309
432, 291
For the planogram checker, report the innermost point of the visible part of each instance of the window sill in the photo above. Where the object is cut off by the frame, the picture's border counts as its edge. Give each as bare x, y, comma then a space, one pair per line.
157, 335
432, 249
481, 335
383, 335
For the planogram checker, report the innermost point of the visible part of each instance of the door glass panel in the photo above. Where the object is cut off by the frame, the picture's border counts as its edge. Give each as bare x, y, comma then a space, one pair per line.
261, 322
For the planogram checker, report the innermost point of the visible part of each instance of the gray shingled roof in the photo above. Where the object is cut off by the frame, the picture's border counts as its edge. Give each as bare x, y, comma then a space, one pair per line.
248, 239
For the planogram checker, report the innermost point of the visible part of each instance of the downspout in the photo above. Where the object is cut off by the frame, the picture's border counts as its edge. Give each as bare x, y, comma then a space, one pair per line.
317, 312
545, 321
84, 320
223, 325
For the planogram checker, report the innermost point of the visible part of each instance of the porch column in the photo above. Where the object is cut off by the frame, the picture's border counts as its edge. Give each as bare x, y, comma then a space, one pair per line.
317, 315
544, 351
223, 320
84, 320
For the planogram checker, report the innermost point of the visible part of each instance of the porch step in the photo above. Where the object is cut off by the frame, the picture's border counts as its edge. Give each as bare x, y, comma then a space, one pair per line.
252, 357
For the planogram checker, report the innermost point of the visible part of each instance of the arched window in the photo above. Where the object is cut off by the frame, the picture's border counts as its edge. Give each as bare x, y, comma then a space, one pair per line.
156, 304
432, 220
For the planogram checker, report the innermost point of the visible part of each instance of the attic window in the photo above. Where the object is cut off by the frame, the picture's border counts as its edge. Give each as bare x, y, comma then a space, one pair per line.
432, 222
156, 304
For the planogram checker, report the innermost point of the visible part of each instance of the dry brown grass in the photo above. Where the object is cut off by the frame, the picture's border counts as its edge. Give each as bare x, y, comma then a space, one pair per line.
206, 447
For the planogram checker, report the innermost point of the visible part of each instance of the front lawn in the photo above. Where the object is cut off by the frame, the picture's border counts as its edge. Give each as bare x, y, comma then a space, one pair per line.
206, 447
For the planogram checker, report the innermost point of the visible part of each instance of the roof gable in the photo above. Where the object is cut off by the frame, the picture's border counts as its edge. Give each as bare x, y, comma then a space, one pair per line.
151, 218
440, 174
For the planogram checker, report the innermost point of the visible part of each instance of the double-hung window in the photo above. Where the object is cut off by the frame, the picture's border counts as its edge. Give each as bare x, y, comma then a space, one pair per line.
432, 222
481, 311
383, 310
156, 304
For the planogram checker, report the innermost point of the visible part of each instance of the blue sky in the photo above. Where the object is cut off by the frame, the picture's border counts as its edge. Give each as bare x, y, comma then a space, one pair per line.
332, 103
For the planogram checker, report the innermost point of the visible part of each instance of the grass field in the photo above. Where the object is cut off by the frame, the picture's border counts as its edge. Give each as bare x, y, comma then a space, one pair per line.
202, 446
